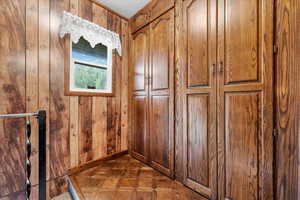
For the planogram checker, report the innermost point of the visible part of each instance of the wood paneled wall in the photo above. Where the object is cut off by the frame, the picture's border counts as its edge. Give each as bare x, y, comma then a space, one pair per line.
79, 129
288, 99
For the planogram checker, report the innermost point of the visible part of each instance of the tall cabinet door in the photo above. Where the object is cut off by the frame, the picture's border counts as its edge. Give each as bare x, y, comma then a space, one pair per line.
161, 93
140, 58
245, 108
199, 96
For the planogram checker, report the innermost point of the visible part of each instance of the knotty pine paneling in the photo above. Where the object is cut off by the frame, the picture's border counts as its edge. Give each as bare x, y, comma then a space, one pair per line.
288, 99
79, 129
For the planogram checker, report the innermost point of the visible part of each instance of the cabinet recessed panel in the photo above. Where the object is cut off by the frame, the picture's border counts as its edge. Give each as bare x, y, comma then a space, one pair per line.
159, 131
197, 139
242, 136
242, 41
140, 60
140, 125
160, 53
196, 20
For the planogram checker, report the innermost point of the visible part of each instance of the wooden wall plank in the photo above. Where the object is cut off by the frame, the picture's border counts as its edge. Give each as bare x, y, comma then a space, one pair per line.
99, 110
44, 63
59, 103
113, 103
124, 86
74, 112
32, 82
130, 89
85, 103
118, 85
74, 130
12, 95
85, 128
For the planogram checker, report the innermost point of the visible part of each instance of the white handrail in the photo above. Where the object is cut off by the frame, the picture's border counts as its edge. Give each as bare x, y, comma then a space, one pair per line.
6, 116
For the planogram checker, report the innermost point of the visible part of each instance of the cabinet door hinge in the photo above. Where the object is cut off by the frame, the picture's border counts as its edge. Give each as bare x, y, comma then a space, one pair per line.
275, 132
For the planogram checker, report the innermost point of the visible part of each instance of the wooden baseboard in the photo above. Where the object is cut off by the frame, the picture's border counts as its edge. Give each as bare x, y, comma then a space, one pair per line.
94, 163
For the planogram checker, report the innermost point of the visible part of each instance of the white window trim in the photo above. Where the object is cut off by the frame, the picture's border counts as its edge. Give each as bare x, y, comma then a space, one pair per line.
109, 89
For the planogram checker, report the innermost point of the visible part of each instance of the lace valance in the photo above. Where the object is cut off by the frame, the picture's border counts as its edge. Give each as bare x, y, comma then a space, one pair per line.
93, 33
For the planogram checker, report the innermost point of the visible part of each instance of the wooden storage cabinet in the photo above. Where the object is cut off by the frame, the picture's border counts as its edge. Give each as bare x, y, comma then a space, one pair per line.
227, 103
153, 98
225, 83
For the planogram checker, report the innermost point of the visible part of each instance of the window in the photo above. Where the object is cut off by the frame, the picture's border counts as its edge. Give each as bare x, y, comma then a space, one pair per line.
90, 71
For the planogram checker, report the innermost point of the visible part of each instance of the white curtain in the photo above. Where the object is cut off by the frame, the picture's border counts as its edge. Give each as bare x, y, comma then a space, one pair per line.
93, 33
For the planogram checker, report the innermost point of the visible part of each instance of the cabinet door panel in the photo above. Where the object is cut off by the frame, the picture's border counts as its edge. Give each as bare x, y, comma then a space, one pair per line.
160, 133
140, 137
242, 133
197, 139
199, 97
159, 54
245, 108
140, 59
161, 93
197, 38
242, 40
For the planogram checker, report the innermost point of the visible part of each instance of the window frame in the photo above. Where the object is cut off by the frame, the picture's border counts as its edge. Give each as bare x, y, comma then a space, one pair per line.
69, 69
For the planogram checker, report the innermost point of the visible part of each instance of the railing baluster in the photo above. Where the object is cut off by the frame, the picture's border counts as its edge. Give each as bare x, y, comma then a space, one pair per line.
28, 162
42, 154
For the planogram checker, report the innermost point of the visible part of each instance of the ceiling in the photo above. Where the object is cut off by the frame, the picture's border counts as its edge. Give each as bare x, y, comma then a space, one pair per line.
126, 8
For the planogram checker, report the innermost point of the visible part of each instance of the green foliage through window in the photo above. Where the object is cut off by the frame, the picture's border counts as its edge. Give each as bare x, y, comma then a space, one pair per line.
89, 77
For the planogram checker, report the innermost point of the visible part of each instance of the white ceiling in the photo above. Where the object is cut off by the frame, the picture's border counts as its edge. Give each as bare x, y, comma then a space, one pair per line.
126, 8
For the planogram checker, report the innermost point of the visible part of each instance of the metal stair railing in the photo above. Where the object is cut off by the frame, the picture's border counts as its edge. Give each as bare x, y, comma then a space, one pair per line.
41, 117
